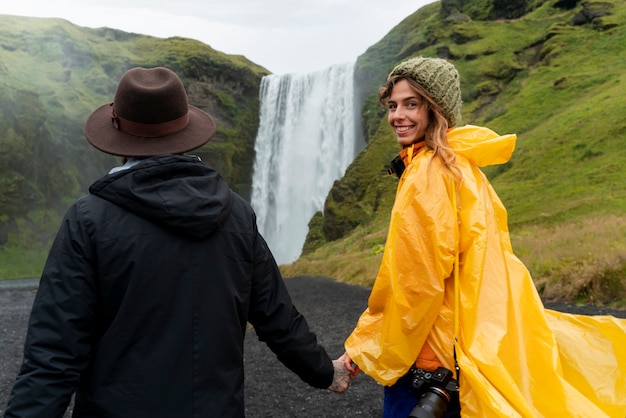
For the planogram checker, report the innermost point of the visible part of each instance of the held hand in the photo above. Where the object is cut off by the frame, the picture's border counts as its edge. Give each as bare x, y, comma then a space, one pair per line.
350, 365
341, 378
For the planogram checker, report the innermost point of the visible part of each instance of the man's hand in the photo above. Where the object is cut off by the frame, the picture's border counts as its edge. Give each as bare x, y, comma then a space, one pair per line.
341, 378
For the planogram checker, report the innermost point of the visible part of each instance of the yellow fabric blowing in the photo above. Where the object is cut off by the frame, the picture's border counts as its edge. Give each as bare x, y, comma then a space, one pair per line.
517, 359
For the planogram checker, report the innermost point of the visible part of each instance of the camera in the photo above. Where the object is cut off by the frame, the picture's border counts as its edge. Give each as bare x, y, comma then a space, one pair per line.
433, 389
397, 166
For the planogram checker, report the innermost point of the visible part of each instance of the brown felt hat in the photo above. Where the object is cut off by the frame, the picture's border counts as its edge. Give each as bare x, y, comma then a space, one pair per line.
150, 115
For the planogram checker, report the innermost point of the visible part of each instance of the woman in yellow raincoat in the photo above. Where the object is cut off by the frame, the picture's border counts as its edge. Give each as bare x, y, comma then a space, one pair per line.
450, 286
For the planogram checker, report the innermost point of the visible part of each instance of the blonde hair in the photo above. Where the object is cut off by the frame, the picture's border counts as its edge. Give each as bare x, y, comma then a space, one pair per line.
435, 137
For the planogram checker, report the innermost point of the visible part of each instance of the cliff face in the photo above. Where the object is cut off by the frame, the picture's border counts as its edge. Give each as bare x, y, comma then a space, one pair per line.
486, 9
550, 71
501, 49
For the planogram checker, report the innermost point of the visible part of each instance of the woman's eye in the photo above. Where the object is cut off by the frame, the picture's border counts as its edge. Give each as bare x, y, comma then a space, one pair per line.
392, 106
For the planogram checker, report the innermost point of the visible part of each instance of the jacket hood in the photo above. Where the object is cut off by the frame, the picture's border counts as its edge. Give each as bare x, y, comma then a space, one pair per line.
179, 193
481, 145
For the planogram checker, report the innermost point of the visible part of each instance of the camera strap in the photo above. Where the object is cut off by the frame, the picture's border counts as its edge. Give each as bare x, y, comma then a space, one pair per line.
457, 290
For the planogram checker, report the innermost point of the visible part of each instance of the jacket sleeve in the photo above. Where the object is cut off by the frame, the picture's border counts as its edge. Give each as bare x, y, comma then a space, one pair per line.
58, 338
281, 326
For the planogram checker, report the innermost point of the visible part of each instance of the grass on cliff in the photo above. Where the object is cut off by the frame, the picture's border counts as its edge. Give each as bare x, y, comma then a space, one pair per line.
540, 78
580, 261
52, 75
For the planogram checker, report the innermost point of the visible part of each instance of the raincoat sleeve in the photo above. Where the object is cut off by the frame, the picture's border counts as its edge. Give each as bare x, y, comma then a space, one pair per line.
408, 293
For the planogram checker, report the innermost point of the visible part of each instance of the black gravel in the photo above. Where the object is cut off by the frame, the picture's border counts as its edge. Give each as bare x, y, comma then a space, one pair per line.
331, 309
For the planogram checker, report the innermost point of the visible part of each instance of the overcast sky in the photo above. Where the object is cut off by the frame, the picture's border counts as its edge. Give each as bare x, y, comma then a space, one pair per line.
284, 36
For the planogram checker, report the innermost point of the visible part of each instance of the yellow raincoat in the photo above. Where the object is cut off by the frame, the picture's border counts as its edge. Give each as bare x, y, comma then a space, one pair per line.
517, 359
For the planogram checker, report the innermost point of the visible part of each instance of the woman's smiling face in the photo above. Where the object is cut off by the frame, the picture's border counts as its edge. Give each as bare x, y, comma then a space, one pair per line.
407, 113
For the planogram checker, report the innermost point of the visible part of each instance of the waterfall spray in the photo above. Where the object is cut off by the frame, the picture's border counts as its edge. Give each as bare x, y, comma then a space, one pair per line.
306, 139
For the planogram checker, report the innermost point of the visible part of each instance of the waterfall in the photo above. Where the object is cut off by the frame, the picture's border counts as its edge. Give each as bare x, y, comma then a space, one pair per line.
307, 138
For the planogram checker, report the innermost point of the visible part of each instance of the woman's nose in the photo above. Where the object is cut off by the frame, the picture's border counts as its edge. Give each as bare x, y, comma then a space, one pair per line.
398, 113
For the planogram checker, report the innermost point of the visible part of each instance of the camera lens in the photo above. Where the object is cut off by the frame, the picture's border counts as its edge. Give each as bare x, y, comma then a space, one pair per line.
432, 404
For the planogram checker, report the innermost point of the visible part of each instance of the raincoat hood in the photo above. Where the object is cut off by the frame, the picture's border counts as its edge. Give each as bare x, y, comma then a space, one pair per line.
481, 146
179, 193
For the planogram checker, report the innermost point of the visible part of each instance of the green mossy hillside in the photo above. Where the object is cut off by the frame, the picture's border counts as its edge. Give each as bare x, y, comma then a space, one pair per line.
556, 77
52, 75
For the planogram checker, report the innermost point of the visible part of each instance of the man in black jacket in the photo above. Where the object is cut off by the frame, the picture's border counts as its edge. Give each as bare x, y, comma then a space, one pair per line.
144, 299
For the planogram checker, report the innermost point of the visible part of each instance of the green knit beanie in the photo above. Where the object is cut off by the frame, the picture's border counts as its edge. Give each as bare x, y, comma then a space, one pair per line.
440, 79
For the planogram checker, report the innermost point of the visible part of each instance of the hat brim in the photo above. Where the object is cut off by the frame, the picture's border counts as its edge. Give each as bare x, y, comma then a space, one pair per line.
101, 133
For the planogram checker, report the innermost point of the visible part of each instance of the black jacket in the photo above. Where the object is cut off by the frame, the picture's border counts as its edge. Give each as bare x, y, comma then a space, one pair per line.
143, 302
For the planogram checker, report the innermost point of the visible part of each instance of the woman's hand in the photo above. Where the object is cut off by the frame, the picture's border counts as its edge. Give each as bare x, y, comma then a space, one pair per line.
349, 365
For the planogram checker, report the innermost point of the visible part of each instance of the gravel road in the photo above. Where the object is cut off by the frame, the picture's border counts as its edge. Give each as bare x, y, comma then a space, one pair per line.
331, 309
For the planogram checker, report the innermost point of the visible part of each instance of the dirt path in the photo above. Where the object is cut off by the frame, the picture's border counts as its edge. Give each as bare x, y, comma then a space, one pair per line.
331, 309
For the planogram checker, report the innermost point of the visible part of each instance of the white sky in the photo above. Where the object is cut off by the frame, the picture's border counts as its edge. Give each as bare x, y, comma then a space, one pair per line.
284, 36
